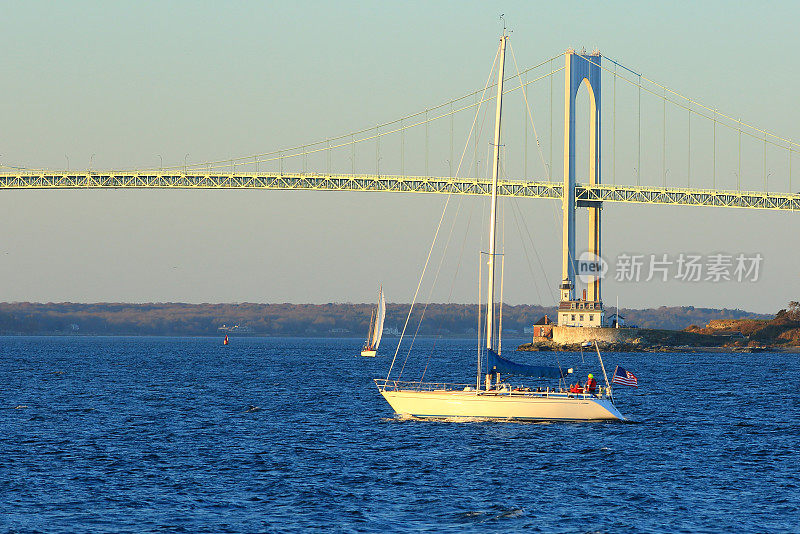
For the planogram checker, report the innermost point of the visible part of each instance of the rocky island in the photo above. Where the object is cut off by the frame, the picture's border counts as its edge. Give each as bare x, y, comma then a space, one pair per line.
782, 332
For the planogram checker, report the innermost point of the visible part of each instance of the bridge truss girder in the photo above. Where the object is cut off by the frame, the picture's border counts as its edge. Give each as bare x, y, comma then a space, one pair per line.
399, 184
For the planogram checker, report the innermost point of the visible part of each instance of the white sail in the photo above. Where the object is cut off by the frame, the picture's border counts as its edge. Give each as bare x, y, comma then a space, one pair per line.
379, 317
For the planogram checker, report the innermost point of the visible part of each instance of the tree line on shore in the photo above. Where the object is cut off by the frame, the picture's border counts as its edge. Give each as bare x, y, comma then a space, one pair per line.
323, 320
781, 330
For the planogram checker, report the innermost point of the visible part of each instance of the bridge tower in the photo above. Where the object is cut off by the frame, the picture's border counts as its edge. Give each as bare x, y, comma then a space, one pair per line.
579, 69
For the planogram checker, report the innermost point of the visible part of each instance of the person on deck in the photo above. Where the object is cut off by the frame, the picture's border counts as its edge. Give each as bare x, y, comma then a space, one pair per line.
591, 384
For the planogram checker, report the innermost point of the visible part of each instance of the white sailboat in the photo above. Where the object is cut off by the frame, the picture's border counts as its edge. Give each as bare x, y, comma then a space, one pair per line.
498, 400
375, 327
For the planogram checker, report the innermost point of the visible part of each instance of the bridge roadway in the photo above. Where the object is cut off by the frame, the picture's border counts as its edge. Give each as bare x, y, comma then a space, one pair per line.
396, 184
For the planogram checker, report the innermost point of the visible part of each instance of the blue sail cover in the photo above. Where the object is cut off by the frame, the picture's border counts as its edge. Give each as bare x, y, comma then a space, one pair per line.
498, 364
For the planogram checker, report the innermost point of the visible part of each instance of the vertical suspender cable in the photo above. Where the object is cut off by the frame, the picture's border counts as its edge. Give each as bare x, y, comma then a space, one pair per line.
402, 149
689, 153
739, 176
450, 161
525, 158
353, 154
765, 162
790, 167
614, 128
664, 139
475, 152
530, 114
639, 154
377, 151
426, 142
714, 150
550, 169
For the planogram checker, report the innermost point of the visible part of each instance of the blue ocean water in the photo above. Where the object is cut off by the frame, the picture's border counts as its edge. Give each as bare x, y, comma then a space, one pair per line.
268, 435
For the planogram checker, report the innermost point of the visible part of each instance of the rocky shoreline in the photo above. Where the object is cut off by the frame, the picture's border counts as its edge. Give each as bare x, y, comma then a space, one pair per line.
645, 347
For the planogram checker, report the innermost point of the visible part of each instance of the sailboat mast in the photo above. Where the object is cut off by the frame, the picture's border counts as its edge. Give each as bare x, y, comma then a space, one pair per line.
493, 213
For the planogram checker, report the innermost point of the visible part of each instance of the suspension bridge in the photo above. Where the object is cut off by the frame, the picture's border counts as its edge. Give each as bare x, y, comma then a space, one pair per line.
244, 173
651, 125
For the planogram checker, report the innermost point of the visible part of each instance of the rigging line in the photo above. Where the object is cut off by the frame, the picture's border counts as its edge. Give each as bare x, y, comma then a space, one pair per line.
535, 285
525, 144
481, 324
433, 286
561, 371
478, 135
422, 275
527, 256
698, 104
502, 276
558, 221
474, 163
528, 107
435, 235
475, 119
452, 283
480, 296
501, 206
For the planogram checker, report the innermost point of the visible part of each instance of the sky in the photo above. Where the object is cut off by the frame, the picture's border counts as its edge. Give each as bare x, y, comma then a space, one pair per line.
112, 85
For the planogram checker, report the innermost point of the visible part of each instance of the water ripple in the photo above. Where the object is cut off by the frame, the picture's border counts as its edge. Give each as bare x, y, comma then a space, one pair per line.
184, 435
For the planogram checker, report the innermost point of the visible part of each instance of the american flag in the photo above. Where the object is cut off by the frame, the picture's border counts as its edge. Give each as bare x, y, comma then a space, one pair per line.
625, 378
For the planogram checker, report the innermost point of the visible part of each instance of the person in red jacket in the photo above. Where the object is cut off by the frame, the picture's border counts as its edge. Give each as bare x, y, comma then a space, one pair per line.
591, 384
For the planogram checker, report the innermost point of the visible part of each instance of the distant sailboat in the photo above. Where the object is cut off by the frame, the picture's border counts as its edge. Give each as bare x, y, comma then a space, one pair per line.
225, 341
375, 327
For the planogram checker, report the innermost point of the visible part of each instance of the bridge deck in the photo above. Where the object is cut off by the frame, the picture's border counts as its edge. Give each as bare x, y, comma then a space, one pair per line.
397, 184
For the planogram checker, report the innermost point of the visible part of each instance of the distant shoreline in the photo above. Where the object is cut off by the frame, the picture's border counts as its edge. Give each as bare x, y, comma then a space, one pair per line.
332, 320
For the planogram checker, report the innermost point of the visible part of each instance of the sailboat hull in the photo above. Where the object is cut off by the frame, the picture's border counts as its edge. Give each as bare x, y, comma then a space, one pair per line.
369, 353
499, 406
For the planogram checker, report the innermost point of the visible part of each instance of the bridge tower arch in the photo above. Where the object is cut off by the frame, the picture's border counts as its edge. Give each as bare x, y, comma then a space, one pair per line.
580, 69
